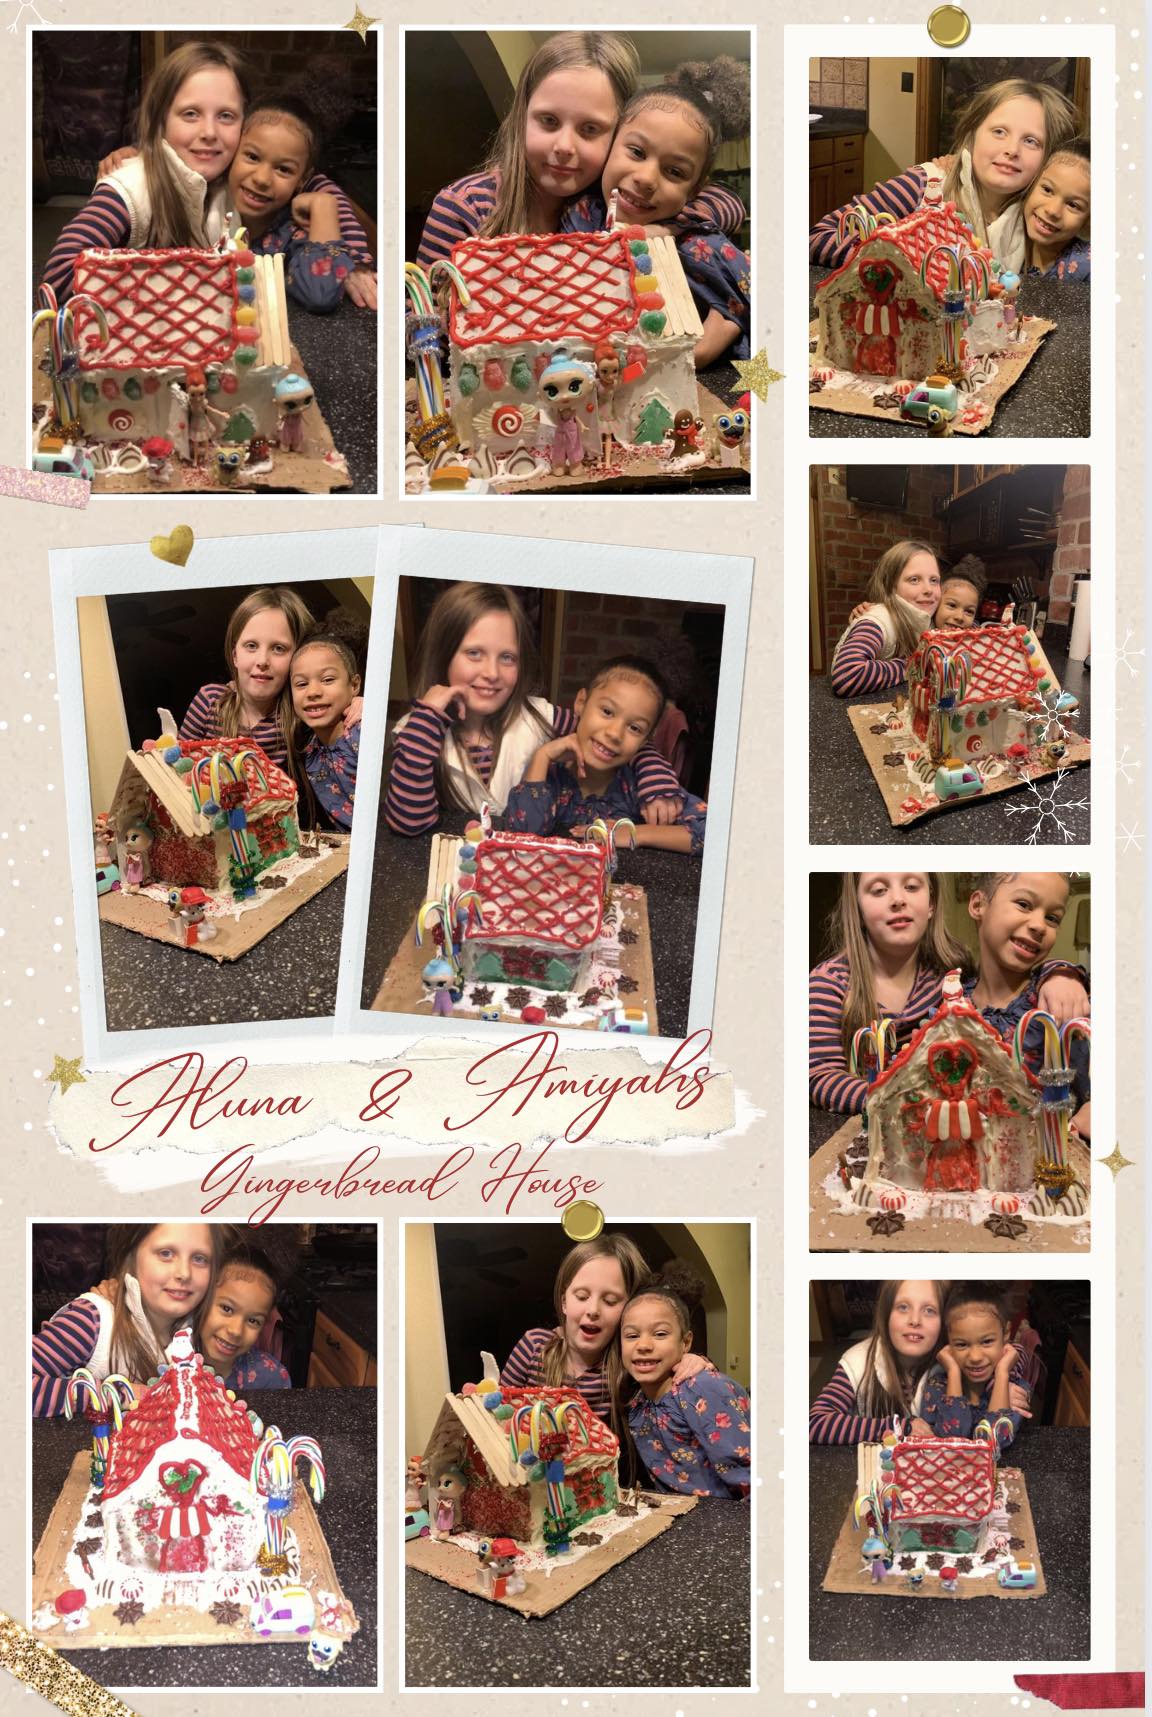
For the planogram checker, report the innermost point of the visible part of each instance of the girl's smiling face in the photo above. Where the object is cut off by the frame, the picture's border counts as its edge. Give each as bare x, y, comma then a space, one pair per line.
487, 664
914, 1321
173, 1266
958, 604
652, 1344
1008, 149
977, 1339
615, 719
262, 656
1018, 924
1059, 204
895, 909
919, 582
268, 169
322, 687
568, 130
656, 162
235, 1315
203, 123
592, 1307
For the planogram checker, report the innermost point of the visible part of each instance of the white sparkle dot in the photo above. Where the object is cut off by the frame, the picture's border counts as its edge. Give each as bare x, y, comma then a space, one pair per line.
1137, 95
3, 727
27, 716
57, 921
27, 1126
27, 673
57, 947
37, 1073
29, 971
1133, 66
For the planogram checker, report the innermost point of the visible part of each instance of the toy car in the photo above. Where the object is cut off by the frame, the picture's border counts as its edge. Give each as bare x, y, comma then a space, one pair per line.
934, 401
1017, 1574
68, 461
289, 1611
417, 1523
956, 781
107, 878
619, 1018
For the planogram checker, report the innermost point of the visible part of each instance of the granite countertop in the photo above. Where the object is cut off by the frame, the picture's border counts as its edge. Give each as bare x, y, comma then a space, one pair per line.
671, 880
841, 122
822, 1123
339, 353
676, 1614
1052, 397
845, 804
343, 1421
291, 974
1055, 1465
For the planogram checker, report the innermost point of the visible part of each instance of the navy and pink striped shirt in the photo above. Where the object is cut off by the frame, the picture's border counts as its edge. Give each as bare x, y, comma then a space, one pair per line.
860, 664
524, 1370
461, 209
67, 1340
835, 1417
105, 224
900, 197
203, 722
830, 1084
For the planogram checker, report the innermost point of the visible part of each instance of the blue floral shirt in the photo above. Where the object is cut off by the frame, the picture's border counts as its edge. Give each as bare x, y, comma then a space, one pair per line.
315, 272
539, 807
257, 1370
331, 771
1073, 263
1007, 1019
696, 1439
956, 1416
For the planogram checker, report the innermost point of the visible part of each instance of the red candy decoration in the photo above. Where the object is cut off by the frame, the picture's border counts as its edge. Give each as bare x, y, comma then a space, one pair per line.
533, 1016
70, 1601
228, 383
244, 259
110, 388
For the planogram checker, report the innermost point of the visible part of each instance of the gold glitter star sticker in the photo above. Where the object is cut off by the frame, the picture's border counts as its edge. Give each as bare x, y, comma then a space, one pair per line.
756, 373
361, 23
66, 1073
1116, 1161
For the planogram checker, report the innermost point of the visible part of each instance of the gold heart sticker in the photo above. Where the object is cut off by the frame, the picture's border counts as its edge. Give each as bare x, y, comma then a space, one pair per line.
175, 547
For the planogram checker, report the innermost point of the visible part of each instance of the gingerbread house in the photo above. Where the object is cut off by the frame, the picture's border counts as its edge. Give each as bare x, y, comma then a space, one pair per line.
542, 908
977, 691
526, 298
538, 1462
954, 1111
946, 1492
219, 811
179, 1496
143, 319
882, 312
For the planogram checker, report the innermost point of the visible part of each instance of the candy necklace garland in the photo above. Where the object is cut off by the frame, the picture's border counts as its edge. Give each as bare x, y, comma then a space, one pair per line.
1054, 1172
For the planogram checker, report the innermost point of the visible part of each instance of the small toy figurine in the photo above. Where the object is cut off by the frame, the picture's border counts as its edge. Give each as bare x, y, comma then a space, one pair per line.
949, 1577
229, 458
293, 396
607, 360
158, 451
260, 453
439, 976
875, 1551
415, 1482
200, 414
915, 1579
498, 1575
685, 434
138, 838
731, 427
445, 1496
1009, 292
566, 387
186, 909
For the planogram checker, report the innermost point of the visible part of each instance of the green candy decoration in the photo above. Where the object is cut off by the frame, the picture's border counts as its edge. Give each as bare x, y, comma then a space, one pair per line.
245, 276
132, 388
652, 321
520, 374
244, 356
213, 381
89, 393
638, 246
468, 380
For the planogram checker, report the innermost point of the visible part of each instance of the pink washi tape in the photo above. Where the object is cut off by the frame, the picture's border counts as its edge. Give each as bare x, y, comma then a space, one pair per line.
22, 485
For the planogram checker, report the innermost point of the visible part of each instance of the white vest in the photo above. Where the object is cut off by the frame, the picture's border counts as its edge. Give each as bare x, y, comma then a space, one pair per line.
100, 1364
880, 615
853, 1363
203, 201
517, 747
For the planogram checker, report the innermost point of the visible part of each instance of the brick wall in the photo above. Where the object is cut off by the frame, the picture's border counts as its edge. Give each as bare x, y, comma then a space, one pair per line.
1073, 545
852, 538
598, 626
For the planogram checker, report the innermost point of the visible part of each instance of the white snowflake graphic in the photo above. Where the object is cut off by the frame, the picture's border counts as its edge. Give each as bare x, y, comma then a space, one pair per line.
1126, 766
1046, 806
1126, 655
1058, 719
1131, 837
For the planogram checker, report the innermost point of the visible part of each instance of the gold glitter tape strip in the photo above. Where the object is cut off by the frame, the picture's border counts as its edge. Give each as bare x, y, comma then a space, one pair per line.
53, 1677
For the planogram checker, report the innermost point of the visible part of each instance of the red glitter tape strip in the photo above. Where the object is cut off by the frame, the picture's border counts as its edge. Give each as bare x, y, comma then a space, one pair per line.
23, 485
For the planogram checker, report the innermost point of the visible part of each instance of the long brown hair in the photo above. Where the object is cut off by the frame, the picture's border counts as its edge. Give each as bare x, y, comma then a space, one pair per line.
453, 615
615, 56
230, 709
1059, 125
874, 1401
554, 1357
882, 590
128, 1350
169, 224
939, 950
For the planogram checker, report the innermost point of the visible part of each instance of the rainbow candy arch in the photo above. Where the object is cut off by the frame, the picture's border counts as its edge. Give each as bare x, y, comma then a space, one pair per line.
1055, 1077
103, 1401
859, 223
63, 359
968, 271
525, 1430
873, 1046
420, 287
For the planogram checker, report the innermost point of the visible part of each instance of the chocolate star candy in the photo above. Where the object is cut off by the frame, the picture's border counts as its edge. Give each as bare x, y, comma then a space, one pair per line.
964, 1565
226, 1613
906, 1563
480, 996
893, 759
628, 937
886, 1222
129, 1612
1006, 1227
518, 996
934, 1561
556, 1006
626, 985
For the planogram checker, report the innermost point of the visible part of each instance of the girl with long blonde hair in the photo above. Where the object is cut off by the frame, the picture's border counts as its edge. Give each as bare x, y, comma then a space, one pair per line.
903, 594
263, 633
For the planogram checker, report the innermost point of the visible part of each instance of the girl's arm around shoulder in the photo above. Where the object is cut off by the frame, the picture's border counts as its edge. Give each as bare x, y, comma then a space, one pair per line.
350, 231
900, 196
458, 212
712, 209
860, 664
67, 1340
102, 224
410, 806
522, 1367
685, 835
830, 1084
200, 721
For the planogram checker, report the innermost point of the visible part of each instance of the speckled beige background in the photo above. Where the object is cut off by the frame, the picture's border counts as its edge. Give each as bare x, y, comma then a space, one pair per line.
37, 971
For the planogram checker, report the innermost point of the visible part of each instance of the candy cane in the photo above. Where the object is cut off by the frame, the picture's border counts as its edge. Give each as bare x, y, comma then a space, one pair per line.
1052, 1046
117, 1393
82, 1382
949, 252
975, 263
307, 1449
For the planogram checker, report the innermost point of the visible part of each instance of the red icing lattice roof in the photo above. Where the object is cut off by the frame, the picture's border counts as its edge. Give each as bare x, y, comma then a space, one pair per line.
541, 889
1000, 661
586, 1433
164, 308
914, 237
944, 1475
187, 1403
554, 286
947, 1012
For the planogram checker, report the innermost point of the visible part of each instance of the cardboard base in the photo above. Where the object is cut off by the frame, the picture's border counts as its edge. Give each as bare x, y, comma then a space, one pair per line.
321, 471
546, 1591
630, 467
234, 935
832, 1228
847, 1571
906, 800
403, 988
172, 1624
855, 394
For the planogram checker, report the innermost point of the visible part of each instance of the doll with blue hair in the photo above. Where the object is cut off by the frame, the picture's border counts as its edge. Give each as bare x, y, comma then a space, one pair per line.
567, 388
